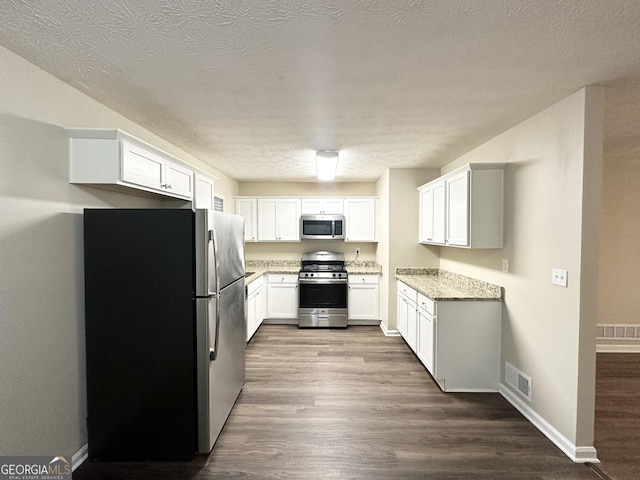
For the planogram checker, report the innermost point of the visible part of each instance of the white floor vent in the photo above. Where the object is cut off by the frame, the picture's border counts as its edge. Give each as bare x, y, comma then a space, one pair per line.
618, 332
517, 380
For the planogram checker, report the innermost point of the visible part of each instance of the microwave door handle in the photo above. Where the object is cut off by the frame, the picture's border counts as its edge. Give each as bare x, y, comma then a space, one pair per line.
213, 351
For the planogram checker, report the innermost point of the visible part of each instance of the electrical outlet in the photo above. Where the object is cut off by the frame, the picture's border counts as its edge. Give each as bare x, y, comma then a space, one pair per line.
505, 265
559, 277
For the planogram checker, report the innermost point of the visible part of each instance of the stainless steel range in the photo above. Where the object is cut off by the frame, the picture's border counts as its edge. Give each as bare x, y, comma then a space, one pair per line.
323, 290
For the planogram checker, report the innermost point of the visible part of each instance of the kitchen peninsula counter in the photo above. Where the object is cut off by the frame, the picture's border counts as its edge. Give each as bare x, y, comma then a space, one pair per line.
441, 285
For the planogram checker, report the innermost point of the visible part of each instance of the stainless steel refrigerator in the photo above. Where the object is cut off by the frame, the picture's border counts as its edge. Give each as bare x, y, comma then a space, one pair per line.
165, 330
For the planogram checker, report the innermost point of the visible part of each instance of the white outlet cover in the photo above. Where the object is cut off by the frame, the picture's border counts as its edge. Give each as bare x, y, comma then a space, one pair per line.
505, 265
559, 277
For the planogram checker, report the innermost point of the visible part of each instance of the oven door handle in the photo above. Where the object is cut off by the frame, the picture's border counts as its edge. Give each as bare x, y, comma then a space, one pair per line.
323, 280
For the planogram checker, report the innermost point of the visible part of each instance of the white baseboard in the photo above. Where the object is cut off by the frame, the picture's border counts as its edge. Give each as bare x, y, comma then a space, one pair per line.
618, 348
577, 454
79, 457
387, 332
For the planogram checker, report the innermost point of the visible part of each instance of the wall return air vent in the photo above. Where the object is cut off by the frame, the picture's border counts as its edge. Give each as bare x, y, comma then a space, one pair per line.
517, 380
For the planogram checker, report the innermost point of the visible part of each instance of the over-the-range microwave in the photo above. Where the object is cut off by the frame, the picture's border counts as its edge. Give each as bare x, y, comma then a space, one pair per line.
318, 227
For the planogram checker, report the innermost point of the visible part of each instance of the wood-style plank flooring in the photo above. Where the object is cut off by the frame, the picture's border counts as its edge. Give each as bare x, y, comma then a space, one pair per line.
354, 404
617, 423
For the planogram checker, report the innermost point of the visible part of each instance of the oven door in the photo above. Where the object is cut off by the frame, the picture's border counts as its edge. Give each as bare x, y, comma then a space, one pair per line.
324, 294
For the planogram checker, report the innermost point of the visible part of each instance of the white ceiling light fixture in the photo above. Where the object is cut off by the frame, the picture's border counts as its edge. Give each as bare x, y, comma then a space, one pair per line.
326, 164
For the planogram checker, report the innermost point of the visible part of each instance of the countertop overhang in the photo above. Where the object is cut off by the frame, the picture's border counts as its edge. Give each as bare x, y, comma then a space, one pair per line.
441, 285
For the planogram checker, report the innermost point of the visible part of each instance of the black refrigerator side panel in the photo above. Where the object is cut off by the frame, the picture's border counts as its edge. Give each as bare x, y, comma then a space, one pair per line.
140, 334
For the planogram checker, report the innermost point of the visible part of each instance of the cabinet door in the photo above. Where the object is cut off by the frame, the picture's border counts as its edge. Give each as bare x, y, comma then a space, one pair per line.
333, 206
261, 307
363, 301
439, 213
283, 300
432, 213
247, 208
142, 167
457, 194
425, 220
412, 326
203, 194
311, 206
178, 179
251, 316
403, 308
426, 336
267, 219
360, 216
289, 220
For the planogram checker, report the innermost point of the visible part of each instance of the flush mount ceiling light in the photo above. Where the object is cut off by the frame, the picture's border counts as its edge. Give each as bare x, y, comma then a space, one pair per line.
326, 164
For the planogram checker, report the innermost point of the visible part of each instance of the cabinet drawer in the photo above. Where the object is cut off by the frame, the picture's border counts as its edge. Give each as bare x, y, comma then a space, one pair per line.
426, 304
283, 278
408, 292
254, 286
360, 279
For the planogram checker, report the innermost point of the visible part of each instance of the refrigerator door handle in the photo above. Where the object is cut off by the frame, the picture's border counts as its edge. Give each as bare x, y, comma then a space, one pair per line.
213, 352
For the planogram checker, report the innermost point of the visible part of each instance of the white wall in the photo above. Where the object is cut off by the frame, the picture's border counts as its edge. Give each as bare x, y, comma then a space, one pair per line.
552, 193
42, 360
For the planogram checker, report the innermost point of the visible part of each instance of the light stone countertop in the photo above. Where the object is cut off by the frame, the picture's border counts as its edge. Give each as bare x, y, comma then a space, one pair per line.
260, 267
441, 285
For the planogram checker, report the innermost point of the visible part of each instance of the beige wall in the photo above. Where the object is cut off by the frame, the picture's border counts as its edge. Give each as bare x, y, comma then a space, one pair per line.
310, 189
42, 360
402, 247
552, 191
619, 301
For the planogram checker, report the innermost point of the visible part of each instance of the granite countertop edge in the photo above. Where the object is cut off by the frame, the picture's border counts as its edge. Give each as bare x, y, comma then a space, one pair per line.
441, 285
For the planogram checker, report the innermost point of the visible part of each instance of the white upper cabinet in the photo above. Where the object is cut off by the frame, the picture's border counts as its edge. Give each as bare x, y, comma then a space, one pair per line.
326, 206
203, 196
464, 208
110, 158
360, 217
432, 213
248, 208
279, 219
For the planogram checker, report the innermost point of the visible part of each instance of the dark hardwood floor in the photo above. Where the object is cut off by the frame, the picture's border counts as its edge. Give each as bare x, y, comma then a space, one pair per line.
354, 404
617, 424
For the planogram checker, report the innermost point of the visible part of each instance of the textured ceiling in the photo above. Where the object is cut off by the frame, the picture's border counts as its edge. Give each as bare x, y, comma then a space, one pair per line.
254, 87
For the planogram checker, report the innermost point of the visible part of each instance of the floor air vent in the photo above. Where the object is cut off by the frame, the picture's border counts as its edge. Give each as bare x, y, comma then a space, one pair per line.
518, 381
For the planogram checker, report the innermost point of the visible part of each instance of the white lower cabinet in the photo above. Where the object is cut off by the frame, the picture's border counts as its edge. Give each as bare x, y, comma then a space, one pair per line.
363, 297
256, 306
425, 348
458, 341
282, 295
407, 315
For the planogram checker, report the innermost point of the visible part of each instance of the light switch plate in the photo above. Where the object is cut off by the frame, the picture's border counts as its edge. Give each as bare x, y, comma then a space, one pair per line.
559, 277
